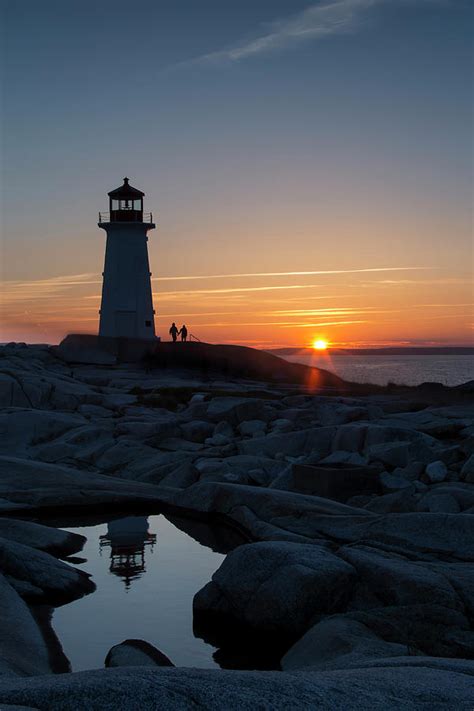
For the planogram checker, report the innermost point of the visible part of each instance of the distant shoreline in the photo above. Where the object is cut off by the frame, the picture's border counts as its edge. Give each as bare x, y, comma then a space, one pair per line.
418, 351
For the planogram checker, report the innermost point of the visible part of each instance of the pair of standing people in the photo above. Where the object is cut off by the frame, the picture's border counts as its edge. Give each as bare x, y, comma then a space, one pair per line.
174, 332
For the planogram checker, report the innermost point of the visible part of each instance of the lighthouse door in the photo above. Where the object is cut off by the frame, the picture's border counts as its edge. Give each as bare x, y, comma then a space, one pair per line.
126, 324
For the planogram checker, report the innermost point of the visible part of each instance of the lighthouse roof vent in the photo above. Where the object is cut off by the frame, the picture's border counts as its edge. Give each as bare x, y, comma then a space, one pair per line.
125, 192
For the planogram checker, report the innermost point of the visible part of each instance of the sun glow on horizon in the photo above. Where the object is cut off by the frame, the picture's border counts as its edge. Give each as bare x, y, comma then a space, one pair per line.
320, 344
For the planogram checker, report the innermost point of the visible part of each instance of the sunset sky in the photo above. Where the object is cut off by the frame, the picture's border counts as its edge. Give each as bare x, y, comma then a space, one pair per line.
308, 165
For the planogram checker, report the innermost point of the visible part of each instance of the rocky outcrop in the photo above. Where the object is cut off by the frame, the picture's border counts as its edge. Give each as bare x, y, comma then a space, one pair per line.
373, 594
136, 653
276, 588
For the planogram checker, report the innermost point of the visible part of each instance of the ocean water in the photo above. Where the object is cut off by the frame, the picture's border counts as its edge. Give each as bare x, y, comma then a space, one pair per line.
147, 571
400, 369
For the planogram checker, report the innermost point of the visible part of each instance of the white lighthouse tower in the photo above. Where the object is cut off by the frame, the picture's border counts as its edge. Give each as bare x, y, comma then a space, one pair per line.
127, 304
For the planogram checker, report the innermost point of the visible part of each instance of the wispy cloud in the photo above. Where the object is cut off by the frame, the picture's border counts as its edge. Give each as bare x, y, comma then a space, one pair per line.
284, 274
18, 291
330, 17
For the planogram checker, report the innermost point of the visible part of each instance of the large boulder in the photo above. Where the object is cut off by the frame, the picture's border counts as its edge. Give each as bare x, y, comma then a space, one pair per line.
276, 588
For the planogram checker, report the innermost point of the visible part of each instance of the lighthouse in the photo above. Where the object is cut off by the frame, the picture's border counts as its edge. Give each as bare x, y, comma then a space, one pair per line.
126, 309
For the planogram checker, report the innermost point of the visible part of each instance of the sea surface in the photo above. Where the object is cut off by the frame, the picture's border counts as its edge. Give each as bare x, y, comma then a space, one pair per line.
400, 369
147, 572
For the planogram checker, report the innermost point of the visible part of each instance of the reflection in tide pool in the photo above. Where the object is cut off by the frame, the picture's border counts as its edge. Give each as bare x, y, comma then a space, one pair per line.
147, 572
127, 539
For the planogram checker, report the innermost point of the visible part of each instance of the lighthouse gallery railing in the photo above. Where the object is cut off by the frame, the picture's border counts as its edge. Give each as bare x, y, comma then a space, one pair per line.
125, 216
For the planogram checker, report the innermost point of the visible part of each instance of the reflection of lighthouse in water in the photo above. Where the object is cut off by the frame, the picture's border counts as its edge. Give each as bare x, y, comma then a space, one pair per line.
127, 538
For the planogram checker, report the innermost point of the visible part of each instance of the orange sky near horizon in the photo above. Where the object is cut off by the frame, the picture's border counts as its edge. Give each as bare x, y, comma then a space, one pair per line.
360, 307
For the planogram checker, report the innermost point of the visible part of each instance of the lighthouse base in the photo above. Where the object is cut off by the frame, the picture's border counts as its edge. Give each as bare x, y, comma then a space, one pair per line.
104, 350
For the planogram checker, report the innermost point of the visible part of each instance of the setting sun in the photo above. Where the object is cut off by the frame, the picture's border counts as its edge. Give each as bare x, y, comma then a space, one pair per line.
320, 345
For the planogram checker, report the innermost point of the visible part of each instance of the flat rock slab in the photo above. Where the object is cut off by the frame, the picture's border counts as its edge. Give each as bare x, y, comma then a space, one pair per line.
403, 684
38, 485
43, 538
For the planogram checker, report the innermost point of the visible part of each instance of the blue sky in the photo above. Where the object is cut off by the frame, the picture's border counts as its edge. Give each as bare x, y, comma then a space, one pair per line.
268, 135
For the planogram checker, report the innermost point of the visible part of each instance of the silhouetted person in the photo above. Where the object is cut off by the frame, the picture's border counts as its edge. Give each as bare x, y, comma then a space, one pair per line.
184, 333
174, 332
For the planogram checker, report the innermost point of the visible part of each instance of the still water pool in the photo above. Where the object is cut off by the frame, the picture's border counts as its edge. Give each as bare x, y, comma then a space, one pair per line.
147, 571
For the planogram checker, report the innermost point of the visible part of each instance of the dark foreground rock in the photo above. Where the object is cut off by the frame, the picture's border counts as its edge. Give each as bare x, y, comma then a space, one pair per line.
23, 651
136, 653
369, 603
402, 683
43, 538
276, 588
33, 486
40, 576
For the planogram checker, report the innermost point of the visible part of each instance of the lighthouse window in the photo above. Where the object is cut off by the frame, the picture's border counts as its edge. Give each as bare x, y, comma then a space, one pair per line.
148, 323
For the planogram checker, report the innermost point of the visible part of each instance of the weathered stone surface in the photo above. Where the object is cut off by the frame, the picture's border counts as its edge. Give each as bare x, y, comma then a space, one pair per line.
436, 472
44, 538
197, 430
337, 643
136, 653
282, 424
409, 681
411, 472
277, 587
21, 428
397, 582
217, 440
235, 409
176, 444
23, 651
392, 482
47, 578
400, 501
467, 472
348, 458
252, 428
270, 513
291, 443
182, 476
439, 503
37, 485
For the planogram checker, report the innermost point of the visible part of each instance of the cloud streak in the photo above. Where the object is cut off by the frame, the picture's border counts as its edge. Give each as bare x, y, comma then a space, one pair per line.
330, 17
284, 274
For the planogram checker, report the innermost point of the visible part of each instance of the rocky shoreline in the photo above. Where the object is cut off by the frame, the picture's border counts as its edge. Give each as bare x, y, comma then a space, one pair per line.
368, 602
